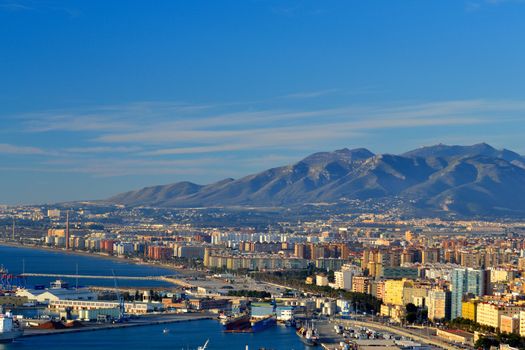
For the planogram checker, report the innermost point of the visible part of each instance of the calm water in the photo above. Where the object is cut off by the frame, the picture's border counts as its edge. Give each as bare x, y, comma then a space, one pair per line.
42, 261
185, 335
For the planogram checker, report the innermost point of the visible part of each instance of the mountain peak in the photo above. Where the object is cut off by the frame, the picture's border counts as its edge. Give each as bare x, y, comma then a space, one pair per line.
455, 151
478, 178
483, 146
344, 155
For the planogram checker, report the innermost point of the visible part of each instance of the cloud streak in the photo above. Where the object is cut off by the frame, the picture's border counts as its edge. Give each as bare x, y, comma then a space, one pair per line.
272, 128
15, 6
148, 138
116, 166
6, 148
473, 6
36, 6
311, 94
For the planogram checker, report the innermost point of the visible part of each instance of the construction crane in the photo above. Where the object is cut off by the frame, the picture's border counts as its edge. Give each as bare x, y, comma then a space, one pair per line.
121, 306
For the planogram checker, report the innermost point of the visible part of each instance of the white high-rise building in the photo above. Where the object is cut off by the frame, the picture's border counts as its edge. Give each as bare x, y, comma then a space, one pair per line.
343, 279
53, 213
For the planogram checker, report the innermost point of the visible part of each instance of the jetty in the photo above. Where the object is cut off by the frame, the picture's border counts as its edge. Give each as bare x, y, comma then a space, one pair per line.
140, 321
57, 275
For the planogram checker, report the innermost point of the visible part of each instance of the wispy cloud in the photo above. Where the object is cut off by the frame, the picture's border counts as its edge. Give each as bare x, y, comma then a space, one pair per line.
107, 118
148, 138
499, 2
39, 6
473, 5
311, 94
300, 8
131, 167
195, 150
49, 122
272, 128
13, 5
20, 150
103, 149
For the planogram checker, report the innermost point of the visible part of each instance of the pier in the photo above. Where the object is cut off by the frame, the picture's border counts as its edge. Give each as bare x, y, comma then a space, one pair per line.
136, 278
147, 320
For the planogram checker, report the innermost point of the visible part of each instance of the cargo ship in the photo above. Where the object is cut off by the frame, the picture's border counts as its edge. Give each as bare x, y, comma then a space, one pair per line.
245, 324
308, 334
260, 324
10, 328
237, 324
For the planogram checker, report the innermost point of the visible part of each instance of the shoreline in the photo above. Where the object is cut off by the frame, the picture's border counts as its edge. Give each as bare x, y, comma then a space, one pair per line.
95, 255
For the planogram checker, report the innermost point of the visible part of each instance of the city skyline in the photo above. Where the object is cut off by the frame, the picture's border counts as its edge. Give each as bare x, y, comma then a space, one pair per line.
99, 98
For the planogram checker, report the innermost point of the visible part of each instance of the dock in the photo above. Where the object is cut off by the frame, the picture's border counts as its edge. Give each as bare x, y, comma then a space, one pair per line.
139, 322
135, 278
330, 340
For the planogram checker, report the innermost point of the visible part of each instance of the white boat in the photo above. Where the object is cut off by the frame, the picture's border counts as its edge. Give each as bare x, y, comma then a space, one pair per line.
10, 328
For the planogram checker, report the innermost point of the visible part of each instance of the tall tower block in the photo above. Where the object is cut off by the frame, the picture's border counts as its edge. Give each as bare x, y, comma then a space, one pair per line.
67, 229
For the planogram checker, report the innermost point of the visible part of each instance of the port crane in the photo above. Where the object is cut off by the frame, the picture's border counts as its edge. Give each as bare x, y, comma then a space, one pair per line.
121, 306
9, 281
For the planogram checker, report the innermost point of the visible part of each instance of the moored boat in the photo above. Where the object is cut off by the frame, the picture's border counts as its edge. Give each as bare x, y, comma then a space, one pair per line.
308, 334
237, 324
260, 324
290, 323
10, 328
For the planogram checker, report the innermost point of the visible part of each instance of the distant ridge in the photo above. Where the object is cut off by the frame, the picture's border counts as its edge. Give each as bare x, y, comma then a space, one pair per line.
467, 180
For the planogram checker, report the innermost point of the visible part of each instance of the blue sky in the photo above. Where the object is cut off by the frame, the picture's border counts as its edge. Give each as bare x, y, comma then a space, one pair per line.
99, 97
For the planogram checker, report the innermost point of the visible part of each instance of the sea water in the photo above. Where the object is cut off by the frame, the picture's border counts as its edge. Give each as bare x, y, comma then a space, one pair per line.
18, 260
182, 335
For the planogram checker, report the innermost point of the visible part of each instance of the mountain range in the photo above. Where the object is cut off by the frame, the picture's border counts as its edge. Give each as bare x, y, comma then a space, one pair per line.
464, 180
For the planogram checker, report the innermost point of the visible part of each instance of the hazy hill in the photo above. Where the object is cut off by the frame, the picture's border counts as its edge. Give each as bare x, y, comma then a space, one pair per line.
469, 180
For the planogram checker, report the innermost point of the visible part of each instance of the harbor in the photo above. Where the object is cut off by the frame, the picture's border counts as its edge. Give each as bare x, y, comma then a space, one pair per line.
259, 323
171, 328
179, 335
